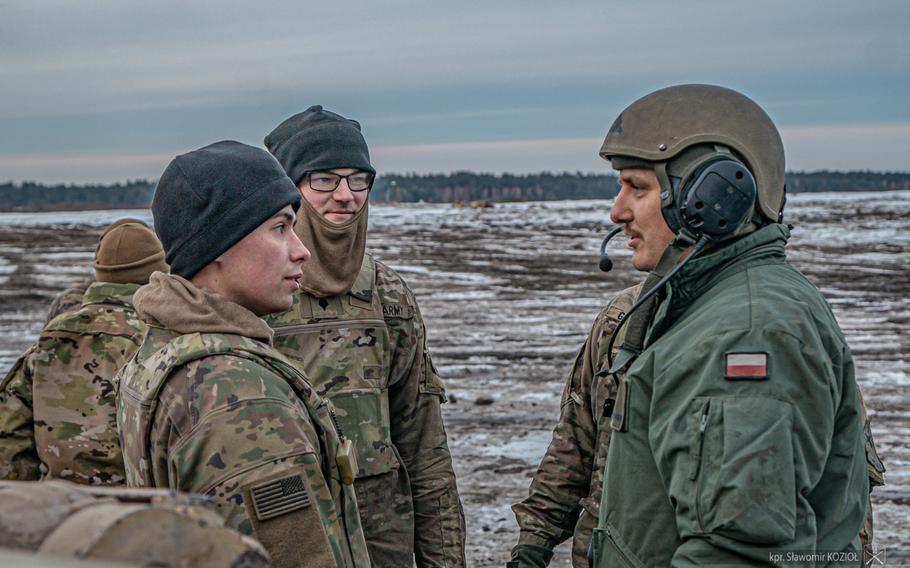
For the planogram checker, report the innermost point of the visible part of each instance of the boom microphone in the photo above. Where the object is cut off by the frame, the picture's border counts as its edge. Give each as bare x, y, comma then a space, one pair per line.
605, 263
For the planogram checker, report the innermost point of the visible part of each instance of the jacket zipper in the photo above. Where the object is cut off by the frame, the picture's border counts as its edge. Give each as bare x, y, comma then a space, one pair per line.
625, 555
338, 429
342, 514
702, 427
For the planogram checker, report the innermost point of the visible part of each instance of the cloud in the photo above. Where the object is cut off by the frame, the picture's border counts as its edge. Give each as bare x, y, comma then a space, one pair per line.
876, 146
83, 168
518, 156
872, 146
145, 78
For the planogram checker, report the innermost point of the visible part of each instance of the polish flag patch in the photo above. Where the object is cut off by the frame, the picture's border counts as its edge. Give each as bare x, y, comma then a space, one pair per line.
752, 366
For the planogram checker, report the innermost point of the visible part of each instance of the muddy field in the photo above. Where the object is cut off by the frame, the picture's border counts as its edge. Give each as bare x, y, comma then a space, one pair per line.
508, 294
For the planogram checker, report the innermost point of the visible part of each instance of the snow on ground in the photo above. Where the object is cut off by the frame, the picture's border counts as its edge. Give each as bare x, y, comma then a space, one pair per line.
508, 295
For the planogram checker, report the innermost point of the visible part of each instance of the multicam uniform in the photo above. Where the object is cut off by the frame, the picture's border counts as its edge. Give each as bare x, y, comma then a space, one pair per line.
366, 351
569, 480
58, 403
224, 414
67, 301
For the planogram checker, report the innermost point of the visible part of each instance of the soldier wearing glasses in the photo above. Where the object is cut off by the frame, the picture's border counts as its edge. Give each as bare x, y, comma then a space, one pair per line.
356, 331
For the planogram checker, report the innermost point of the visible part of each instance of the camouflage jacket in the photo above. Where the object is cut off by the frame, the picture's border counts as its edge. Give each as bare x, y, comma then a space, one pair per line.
227, 416
69, 300
366, 351
564, 496
58, 403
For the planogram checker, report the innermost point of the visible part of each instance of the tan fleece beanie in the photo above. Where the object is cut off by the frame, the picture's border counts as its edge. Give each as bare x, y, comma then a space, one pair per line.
127, 253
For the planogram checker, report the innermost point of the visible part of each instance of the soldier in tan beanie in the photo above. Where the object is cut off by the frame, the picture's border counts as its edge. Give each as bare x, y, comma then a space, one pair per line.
127, 253
58, 403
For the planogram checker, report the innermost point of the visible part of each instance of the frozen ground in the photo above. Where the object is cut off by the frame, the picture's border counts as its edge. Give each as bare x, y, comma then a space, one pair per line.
508, 294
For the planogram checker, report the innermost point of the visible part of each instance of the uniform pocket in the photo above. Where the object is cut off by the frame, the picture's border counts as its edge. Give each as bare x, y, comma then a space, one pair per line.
604, 388
742, 473
386, 515
363, 415
430, 381
608, 549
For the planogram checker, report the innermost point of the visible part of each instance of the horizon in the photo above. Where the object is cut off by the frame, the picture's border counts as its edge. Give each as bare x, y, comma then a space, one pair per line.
126, 182
110, 91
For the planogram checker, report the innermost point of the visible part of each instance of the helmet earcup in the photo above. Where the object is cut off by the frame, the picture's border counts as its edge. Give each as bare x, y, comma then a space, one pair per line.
719, 197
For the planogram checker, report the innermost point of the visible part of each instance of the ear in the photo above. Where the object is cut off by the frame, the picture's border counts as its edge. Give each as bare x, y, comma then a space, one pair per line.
210, 274
228, 255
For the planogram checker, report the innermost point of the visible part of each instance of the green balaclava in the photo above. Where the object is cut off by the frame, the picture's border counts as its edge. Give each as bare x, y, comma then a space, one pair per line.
319, 140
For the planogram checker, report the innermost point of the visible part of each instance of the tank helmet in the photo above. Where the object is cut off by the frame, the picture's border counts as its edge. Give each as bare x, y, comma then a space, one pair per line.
679, 129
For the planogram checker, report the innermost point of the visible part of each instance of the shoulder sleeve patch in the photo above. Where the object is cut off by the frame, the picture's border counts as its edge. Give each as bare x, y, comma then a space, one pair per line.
397, 311
279, 509
745, 366
394, 295
278, 497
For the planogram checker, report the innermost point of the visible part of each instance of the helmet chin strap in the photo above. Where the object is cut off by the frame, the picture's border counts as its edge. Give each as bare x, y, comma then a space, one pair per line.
668, 198
639, 320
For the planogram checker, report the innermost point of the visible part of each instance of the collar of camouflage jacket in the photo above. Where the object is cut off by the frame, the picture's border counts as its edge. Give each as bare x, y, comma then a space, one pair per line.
178, 304
110, 293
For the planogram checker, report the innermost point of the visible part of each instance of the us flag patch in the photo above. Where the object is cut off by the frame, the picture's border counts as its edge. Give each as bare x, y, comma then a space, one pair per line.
751, 366
279, 497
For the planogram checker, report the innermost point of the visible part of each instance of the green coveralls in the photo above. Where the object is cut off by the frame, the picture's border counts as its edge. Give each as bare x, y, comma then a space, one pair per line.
708, 470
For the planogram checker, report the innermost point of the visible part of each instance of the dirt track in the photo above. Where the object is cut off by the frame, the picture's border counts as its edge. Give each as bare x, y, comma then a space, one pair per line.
508, 295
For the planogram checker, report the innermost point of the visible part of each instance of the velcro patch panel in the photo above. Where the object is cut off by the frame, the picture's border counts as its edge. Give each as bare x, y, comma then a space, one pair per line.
275, 498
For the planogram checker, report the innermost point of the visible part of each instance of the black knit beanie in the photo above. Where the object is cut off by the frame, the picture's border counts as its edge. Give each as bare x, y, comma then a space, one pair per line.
209, 199
317, 139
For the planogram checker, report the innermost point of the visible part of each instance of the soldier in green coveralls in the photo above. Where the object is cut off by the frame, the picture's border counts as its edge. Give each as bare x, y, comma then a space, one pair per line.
738, 429
356, 331
58, 402
207, 405
564, 496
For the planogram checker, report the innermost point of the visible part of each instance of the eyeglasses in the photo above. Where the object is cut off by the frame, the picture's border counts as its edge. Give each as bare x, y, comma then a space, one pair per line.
327, 182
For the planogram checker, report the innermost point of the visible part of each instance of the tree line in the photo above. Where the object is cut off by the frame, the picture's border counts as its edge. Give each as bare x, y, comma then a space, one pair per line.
438, 188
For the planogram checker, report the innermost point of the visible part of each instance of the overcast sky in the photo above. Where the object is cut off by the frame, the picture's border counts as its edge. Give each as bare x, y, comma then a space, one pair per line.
97, 91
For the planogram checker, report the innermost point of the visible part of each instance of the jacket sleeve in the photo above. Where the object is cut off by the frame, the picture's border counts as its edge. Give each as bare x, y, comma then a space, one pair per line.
566, 482
548, 515
254, 453
719, 455
416, 393
18, 454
